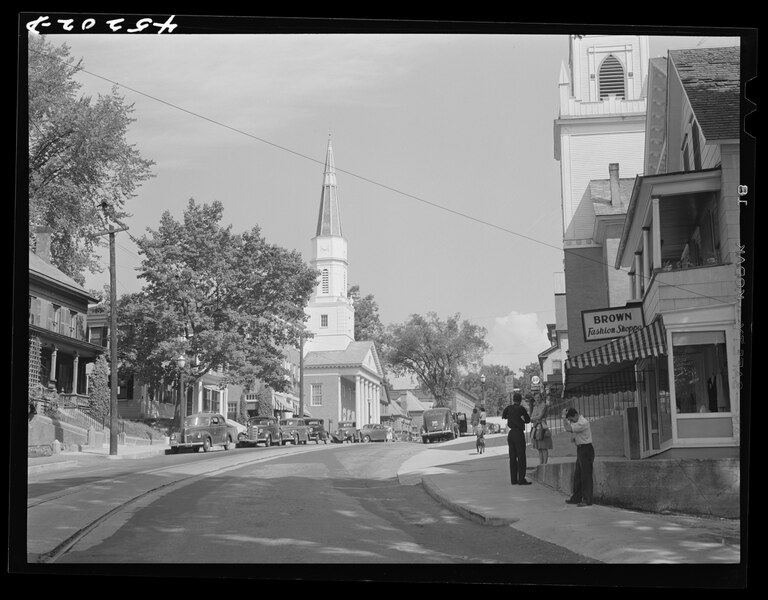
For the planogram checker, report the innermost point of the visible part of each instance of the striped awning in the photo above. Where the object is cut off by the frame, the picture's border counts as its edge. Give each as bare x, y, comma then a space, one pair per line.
649, 341
610, 368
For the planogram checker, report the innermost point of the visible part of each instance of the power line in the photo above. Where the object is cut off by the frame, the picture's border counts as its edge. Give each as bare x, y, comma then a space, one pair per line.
357, 176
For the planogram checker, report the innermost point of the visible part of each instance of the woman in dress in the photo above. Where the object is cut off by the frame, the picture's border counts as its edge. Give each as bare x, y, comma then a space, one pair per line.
539, 441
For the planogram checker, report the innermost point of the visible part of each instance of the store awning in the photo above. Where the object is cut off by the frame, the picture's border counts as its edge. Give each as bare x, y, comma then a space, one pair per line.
611, 367
282, 404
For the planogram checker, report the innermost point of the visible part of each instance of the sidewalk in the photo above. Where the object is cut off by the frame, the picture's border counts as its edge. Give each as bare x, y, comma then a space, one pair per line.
477, 486
67, 460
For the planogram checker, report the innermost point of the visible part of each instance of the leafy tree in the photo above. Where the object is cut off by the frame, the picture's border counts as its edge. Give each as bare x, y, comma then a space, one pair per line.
100, 396
229, 302
82, 170
368, 325
435, 351
496, 395
524, 377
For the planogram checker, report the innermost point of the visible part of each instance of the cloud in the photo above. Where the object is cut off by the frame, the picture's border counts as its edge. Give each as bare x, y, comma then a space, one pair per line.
517, 339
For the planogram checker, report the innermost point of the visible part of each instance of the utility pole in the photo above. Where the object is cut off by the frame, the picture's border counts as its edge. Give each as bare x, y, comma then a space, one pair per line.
112, 340
301, 374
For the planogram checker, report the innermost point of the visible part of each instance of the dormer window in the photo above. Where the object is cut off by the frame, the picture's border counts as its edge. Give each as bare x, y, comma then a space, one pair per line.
612, 78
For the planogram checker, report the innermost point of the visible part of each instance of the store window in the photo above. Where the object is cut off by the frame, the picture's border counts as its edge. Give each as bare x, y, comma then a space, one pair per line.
700, 365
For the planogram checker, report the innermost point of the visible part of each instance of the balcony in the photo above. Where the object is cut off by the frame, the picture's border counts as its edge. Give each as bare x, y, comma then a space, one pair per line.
690, 286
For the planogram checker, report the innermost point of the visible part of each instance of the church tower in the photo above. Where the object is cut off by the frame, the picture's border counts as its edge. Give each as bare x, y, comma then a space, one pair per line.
601, 121
330, 310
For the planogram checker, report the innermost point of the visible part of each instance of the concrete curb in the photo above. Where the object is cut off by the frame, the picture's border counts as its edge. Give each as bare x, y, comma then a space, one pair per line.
437, 493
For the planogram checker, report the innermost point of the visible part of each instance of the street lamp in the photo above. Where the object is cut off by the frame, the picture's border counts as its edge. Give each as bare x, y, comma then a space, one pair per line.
180, 362
482, 386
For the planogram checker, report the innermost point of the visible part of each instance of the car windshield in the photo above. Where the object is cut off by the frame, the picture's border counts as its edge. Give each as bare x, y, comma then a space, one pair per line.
196, 421
260, 420
314, 422
289, 422
346, 424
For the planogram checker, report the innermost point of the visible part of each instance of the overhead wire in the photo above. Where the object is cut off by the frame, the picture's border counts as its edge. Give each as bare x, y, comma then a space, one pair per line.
360, 177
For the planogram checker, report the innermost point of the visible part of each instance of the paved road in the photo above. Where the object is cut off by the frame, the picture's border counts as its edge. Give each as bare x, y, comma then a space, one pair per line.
308, 505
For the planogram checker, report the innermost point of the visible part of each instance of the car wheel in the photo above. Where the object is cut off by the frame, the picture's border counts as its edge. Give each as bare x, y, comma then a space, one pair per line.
268, 441
295, 440
227, 443
367, 438
207, 444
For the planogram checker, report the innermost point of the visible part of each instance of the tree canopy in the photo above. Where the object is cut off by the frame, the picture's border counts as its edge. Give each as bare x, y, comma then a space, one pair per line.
230, 302
368, 325
437, 352
494, 390
82, 169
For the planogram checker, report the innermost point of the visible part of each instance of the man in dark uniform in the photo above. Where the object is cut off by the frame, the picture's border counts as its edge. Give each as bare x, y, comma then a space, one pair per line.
516, 417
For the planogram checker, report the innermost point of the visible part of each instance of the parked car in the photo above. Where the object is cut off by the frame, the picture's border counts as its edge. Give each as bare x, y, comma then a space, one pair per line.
293, 430
346, 431
317, 432
203, 430
260, 430
373, 432
438, 425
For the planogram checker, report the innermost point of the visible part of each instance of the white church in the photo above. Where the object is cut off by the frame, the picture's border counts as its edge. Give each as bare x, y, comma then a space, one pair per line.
342, 378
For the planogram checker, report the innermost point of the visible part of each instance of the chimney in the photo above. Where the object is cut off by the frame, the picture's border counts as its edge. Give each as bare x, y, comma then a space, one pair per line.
613, 169
43, 242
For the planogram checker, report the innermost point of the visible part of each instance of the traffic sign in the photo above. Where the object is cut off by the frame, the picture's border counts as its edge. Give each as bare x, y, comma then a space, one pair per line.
535, 380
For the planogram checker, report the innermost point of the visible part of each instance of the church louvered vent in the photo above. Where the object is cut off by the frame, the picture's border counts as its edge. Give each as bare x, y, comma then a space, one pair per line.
611, 78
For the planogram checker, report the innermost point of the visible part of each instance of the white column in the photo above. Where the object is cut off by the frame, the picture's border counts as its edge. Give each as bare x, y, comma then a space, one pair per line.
75, 365
52, 371
339, 396
358, 399
656, 234
377, 397
638, 277
646, 257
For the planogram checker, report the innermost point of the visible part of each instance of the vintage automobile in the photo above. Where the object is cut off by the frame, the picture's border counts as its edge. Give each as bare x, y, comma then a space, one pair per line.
203, 430
317, 432
346, 431
260, 430
374, 432
293, 430
438, 425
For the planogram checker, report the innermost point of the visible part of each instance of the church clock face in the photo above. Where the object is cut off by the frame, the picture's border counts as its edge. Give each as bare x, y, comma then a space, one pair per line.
323, 246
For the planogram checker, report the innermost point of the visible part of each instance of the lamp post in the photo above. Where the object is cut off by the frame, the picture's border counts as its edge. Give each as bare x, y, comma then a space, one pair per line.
482, 386
180, 362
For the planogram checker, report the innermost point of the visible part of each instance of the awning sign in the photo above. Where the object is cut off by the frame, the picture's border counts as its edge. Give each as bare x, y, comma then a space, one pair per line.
609, 323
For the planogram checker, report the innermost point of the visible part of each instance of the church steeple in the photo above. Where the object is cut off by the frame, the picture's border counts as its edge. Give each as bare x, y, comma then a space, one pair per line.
329, 220
330, 310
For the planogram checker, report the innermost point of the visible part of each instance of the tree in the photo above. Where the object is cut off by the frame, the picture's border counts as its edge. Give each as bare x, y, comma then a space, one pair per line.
81, 168
496, 395
524, 377
368, 325
435, 351
100, 393
229, 302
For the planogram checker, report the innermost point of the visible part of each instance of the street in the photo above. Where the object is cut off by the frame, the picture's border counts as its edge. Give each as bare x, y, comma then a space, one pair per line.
306, 504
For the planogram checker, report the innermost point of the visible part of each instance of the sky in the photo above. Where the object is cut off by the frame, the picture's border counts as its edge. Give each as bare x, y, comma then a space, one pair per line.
448, 187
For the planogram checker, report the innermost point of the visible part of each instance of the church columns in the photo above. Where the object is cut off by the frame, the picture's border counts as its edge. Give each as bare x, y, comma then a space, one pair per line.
358, 399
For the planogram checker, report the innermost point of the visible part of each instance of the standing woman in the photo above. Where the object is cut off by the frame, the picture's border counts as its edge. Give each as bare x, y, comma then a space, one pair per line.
541, 437
474, 420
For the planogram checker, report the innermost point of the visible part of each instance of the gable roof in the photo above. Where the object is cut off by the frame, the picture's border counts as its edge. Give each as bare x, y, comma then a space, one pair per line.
51, 274
711, 78
354, 355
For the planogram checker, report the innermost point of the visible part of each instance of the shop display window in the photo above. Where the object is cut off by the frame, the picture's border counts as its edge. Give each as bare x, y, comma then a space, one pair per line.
701, 372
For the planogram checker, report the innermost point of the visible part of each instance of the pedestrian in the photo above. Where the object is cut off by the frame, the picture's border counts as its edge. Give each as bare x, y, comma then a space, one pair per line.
541, 436
474, 420
585, 457
482, 417
516, 417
